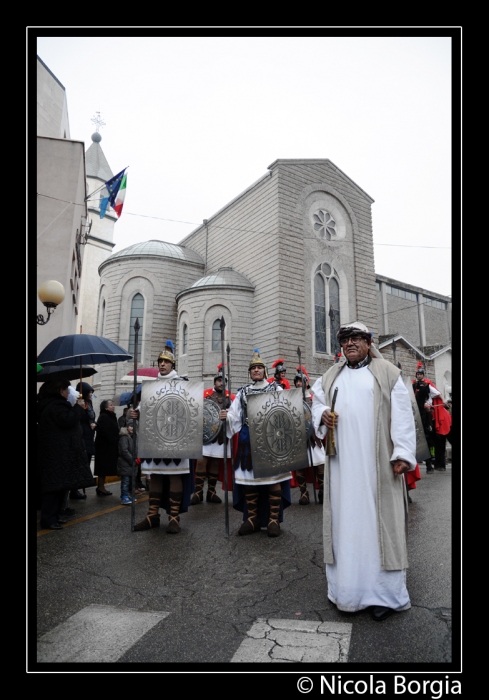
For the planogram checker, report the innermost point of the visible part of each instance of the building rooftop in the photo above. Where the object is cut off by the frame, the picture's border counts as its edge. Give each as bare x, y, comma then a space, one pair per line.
224, 277
157, 249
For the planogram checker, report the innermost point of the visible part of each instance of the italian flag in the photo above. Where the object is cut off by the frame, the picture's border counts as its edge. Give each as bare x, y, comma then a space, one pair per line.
119, 201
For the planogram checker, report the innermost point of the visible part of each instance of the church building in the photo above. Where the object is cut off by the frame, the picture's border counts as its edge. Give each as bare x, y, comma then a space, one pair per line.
285, 263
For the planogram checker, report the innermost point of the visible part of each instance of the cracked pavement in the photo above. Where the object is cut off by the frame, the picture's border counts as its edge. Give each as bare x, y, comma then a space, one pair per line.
234, 599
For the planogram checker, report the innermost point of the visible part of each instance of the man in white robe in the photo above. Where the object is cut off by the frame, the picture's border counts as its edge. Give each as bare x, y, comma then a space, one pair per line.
365, 502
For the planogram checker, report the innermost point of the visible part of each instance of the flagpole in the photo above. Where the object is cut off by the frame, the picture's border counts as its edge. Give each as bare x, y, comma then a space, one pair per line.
89, 196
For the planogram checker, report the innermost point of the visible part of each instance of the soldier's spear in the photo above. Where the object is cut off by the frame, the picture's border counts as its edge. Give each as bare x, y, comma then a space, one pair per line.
228, 352
134, 433
309, 450
225, 440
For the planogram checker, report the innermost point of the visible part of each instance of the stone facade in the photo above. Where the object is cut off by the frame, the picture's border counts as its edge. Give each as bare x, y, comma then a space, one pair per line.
156, 276
302, 220
52, 106
60, 180
60, 183
100, 238
414, 312
276, 214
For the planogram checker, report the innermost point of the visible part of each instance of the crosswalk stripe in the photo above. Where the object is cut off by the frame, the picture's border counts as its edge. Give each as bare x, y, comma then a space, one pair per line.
305, 641
98, 633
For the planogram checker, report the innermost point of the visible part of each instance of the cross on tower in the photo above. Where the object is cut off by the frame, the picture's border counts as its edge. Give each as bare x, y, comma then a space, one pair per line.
98, 121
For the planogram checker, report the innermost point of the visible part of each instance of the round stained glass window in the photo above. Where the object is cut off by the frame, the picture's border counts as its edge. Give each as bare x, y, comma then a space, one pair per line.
324, 225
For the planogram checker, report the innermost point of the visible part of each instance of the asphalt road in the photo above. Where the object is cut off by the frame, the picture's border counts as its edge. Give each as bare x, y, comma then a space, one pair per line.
106, 595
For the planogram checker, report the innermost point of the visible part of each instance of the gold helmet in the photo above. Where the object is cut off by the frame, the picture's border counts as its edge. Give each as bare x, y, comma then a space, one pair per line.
257, 361
168, 353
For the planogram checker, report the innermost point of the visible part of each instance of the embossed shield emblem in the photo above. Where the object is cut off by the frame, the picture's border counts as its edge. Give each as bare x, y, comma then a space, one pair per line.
422, 449
277, 432
171, 420
212, 423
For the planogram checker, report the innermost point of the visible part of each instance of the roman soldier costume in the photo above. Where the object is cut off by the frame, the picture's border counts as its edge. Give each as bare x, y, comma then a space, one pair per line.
166, 491
211, 466
437, 418
279, 366
315, 455
261, 500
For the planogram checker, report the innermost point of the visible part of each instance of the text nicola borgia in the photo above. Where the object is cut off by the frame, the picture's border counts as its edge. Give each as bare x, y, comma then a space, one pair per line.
399, 685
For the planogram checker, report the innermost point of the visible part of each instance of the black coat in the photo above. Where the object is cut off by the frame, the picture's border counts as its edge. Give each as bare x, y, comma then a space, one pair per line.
62, 458
106, 444
88, 434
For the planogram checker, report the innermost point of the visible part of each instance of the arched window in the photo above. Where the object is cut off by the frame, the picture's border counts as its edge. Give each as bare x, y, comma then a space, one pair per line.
216, 334
184, 339
102, 319
137, 311
326, 309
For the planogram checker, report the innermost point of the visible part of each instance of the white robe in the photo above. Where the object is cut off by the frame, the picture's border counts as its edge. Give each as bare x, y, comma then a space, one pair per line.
214, 449
356, 579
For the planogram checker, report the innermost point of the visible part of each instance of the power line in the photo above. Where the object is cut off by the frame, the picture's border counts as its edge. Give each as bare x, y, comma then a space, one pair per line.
244, 230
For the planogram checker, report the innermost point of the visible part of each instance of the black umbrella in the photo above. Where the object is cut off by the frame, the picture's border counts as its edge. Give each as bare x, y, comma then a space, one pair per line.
82, 348
52, 372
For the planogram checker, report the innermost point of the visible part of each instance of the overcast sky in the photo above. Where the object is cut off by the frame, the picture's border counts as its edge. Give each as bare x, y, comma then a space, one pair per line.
199, 119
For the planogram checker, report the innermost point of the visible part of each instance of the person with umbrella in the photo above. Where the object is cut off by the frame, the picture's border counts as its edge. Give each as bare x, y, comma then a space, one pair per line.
62, 458
106, 447
88, 426
83, 349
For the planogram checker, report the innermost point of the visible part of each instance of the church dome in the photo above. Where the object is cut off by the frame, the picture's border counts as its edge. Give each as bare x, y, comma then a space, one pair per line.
156, 249
224, 277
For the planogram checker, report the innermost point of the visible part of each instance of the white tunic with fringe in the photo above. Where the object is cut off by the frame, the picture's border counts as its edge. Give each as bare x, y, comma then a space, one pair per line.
356, 580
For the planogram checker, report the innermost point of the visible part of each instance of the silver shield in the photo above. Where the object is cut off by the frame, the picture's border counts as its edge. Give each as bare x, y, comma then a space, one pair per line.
277, 432
212, 423
308, 420
171, 420
422, 449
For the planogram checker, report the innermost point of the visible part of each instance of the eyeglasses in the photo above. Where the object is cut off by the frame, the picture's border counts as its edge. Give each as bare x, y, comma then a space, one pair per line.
351, 338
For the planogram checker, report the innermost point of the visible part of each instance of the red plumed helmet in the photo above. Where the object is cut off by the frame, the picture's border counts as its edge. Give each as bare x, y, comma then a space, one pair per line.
304, 371
278, 362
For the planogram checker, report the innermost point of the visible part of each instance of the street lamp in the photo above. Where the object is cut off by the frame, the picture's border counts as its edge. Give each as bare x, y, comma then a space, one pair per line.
51, 294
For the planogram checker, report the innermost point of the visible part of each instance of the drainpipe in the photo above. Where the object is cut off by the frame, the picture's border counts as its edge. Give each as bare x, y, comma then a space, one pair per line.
206, 242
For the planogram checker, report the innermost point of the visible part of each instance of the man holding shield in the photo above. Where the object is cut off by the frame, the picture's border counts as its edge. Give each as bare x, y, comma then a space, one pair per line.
171, 480
212, 462
260, 499
365, 501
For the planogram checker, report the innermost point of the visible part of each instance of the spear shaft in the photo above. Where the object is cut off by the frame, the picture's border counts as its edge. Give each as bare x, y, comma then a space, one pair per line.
134, 431
228, 353
309, 450
225, 439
